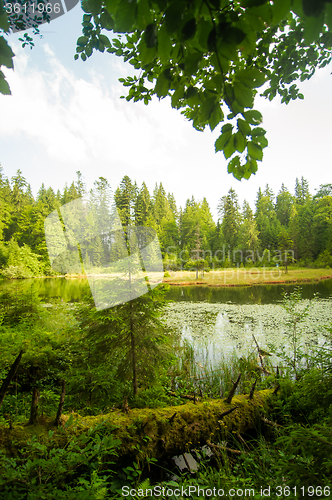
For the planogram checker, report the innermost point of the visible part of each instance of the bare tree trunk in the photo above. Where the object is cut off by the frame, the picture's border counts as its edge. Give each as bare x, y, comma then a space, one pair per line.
10, 376
34, 407
233, 389
62, 399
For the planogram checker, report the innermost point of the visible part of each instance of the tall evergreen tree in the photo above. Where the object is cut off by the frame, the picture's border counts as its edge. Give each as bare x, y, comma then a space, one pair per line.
229, 214
302, 194
267, 222
125, 198
248, 239
283, 206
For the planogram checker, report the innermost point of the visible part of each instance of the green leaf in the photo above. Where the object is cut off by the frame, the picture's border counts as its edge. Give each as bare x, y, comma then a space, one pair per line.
222, 140
312, 28
4, 22
244, 127
82, 41
255, 151
164, 45
104, 40
313, 8
94, 6
150, 35
111, 6
280, 9
206, 108
261, 140
253, 117
125, 16
189, 29
251, 77
6, 54
173, 16
328, 16
226, 128
229, 147
163, 84
204, 29
257, 131
243, 95
191, 63
233, 35
239, 142
233, 165
216, 116
4, 87
144, 16
177, 95
106, 21
146, 54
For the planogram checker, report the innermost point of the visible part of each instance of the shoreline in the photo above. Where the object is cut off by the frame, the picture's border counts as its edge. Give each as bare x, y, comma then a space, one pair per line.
200, 283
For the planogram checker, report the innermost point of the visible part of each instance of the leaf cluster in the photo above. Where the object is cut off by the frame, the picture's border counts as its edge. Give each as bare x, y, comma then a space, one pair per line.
211, 56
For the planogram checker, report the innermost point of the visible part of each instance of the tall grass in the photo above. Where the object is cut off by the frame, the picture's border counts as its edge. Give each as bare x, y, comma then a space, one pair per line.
196, 374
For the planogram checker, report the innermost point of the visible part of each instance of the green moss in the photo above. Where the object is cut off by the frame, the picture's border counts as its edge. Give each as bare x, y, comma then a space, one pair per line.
150, 432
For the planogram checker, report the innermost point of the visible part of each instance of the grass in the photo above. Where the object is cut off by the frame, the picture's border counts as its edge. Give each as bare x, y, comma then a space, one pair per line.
247, 276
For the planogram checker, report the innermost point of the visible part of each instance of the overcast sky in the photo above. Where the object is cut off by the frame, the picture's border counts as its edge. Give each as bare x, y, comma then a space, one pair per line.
65, 115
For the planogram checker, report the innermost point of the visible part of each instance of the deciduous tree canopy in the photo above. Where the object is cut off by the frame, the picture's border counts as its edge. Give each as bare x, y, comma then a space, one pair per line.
211, 56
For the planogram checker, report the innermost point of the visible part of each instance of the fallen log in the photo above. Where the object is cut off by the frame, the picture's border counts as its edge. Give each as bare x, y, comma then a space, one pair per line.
159, 433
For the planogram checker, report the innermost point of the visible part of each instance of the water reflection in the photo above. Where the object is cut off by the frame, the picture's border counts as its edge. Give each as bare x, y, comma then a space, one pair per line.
258, 294
215, 328
74, 289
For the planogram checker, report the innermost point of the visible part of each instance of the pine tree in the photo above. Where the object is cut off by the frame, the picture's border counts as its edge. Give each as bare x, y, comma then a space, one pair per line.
283, 206
230, 219
131, 334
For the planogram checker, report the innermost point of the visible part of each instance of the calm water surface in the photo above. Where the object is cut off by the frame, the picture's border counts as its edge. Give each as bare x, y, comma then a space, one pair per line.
216, 320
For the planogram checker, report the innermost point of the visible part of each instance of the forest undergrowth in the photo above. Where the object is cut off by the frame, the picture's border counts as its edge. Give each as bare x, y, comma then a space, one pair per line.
287, 454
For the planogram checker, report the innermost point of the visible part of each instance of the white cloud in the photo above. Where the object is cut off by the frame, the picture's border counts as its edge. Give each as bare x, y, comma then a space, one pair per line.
58, 122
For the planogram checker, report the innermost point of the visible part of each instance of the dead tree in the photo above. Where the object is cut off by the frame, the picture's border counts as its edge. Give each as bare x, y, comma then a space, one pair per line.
233, 389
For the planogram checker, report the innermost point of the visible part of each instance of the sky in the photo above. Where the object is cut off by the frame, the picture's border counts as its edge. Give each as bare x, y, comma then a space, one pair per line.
65, 115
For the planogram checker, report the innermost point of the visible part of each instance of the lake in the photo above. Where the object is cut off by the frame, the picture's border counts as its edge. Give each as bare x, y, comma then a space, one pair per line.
217, 321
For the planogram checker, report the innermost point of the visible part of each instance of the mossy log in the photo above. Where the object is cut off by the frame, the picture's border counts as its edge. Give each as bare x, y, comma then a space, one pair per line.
158, 433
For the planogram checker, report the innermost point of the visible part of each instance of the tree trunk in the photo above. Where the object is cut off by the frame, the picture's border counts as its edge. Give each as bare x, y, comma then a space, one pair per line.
133, 353
62, 399
170, 429
34, 407
164, 432
11, 374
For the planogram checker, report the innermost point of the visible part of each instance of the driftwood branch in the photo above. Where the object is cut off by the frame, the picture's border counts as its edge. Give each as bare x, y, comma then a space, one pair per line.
11, 374
233, 389
269, 422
